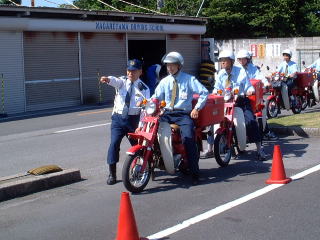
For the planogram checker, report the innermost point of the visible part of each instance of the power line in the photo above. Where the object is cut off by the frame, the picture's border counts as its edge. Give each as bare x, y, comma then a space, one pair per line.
50, 2
15, 3
109, 6
141, 7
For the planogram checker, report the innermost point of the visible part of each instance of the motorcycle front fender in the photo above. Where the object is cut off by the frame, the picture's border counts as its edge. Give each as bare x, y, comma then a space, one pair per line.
134, 149
315, 90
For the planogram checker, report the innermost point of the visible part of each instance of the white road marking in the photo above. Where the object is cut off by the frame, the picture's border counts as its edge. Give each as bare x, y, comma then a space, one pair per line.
81, 128
215, 211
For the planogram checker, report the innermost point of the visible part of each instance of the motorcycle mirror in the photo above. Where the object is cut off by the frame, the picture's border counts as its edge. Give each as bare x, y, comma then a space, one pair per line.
268, 68
303, 63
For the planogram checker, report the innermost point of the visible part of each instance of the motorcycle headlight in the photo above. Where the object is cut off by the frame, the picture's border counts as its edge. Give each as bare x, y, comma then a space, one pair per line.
150, 108
276, 78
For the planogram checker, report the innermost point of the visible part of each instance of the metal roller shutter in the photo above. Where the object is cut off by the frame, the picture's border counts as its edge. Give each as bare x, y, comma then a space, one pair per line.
11, 66
189, 47
51, 70
141, 36
104, 53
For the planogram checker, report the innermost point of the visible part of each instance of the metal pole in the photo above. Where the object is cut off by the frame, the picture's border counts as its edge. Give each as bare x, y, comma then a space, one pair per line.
3, 114
99, 86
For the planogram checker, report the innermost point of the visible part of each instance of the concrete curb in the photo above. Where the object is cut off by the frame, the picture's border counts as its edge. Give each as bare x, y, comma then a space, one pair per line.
22, 184
296, 131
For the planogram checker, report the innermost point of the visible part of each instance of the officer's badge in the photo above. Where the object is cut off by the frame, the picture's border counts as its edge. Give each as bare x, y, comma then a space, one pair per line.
132, 63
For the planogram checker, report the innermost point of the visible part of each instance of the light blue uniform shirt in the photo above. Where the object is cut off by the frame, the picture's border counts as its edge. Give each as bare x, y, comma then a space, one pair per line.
187, 86
239, 79
254, 73
292, 67
316, 65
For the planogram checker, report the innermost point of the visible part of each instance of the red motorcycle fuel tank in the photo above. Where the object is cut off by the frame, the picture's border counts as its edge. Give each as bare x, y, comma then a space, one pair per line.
212, 112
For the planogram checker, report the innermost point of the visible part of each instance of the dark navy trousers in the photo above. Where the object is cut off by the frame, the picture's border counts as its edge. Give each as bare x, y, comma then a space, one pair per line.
184, 121
120, 127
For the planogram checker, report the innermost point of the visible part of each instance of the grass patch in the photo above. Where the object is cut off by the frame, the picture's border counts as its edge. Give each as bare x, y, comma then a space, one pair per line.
311, 120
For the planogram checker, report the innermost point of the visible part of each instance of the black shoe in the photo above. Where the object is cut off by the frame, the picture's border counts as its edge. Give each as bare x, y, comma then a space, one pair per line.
183, 169
195, 179
112, 179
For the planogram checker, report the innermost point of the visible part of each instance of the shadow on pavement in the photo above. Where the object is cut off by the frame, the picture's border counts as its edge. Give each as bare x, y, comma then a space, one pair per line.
244, 165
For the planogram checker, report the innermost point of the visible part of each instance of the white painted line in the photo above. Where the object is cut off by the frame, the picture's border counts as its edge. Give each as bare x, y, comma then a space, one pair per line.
81, 128
215, 211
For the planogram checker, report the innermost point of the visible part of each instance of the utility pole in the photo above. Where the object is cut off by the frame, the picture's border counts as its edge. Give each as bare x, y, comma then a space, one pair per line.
160, 4
32, 3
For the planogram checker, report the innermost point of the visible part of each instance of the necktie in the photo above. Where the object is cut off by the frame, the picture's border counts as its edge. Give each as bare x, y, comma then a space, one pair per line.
174, 92
126, 106
286, 71
228, 81
128, 96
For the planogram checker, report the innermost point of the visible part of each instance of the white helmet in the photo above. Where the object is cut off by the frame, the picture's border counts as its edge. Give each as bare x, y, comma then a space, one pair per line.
226, 54
173, 57
250, 53
287, 51
243, 54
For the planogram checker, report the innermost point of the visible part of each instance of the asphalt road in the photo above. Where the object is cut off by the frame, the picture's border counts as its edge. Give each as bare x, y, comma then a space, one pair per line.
89, 209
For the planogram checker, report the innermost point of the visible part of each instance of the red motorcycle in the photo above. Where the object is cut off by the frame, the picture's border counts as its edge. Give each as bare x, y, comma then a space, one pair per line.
279, 98
231, 138
160, 145
305, 82
231, 134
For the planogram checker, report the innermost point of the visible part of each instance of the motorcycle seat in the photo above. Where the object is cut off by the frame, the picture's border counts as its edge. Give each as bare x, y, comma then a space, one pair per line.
175, 127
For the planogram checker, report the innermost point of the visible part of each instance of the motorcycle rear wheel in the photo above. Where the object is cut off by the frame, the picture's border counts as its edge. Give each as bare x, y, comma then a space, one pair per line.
133, 179
222, 152
272, 108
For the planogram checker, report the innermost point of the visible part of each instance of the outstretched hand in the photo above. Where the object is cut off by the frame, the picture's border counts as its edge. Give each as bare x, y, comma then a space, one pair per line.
104, 79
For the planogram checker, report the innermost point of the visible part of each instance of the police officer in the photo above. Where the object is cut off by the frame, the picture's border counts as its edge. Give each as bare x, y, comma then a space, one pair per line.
177, 90
244, 59
289, 68
130, 91
237, 77
154, 74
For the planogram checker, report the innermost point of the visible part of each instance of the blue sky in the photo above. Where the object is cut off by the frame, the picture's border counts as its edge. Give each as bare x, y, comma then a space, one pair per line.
43, 3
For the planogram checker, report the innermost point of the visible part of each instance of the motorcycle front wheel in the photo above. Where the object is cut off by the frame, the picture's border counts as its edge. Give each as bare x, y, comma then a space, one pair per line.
133, 178
297, 105
222, 152
272, 108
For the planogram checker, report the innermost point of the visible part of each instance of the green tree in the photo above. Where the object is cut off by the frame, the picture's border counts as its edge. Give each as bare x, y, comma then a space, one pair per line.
7, 2
260, 18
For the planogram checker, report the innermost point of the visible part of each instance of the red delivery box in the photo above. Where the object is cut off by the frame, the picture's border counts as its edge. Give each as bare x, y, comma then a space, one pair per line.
304, 79
257, 98
212, 112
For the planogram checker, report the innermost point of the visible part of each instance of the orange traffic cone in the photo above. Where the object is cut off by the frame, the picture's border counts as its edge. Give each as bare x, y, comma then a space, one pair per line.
127, 228
278, 175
